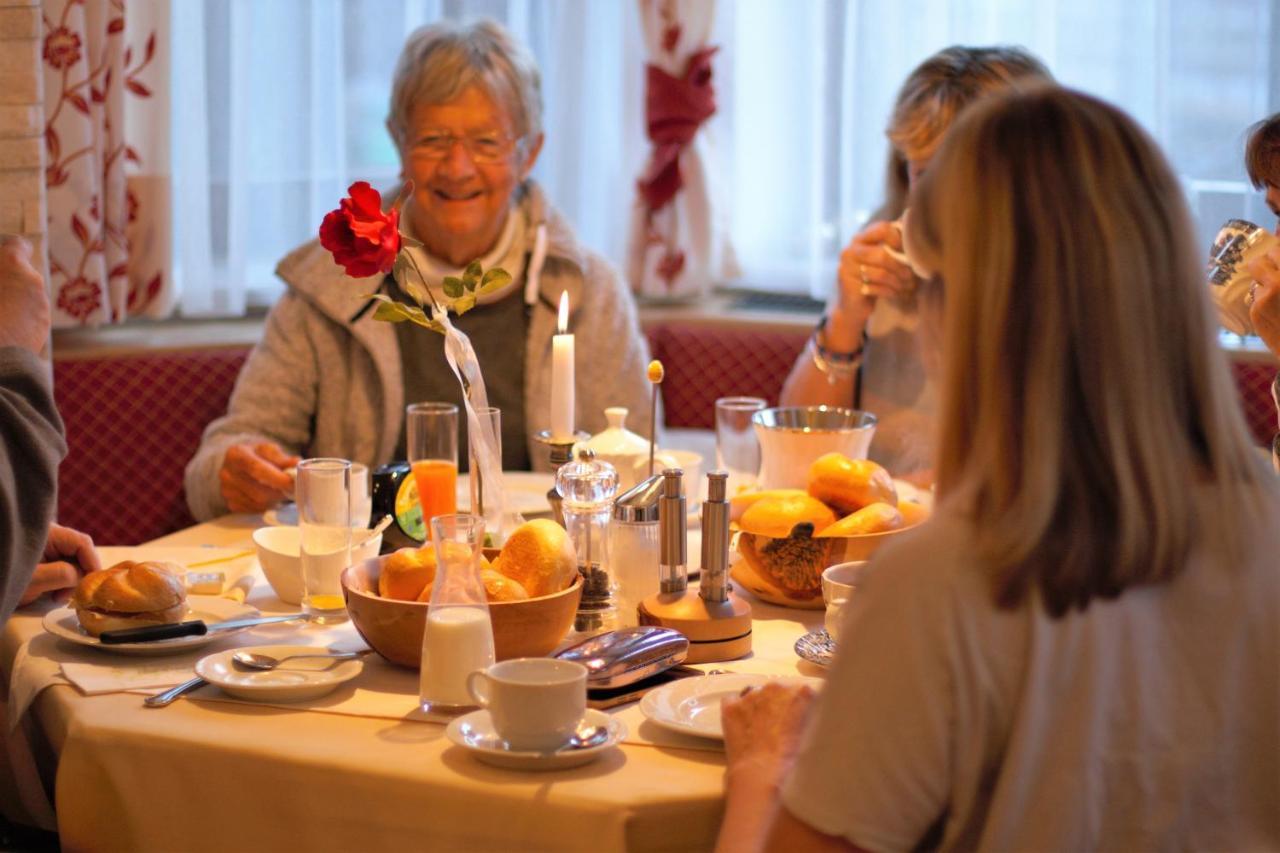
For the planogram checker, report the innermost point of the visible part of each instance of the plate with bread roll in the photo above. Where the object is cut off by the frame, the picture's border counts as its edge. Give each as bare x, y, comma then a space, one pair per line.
134, 595
786, 537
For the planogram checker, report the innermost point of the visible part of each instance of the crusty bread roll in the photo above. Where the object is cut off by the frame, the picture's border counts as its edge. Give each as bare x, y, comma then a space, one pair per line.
130, 595
497, 587
872, 518
539, 556
739, 504
777, 515
847, 485
406, 572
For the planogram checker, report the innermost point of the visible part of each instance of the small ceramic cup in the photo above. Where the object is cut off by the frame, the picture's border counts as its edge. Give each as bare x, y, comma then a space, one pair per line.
536, 704
838, 583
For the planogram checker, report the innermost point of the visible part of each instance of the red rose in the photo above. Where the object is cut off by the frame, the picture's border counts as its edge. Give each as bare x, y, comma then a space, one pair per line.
362, 239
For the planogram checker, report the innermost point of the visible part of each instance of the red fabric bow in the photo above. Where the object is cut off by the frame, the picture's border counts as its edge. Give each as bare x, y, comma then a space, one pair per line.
674, 109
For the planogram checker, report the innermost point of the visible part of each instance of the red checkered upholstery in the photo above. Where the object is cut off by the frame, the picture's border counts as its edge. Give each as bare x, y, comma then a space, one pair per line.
132, 424
706, 362
1253, 380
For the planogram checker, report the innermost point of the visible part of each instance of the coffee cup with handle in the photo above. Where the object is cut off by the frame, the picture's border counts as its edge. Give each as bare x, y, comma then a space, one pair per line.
536, 704
838, 584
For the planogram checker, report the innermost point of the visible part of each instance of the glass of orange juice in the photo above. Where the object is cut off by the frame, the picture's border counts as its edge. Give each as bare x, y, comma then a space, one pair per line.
433, 453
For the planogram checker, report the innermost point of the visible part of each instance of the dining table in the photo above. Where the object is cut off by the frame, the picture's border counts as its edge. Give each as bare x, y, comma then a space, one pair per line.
360, 768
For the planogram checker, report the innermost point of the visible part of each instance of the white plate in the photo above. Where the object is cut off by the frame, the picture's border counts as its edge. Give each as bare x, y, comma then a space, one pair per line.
691, 706
63, 623
474, 732
292, 681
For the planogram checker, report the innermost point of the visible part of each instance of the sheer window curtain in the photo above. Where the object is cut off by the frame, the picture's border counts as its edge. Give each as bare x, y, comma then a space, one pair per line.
806, 90
279, 106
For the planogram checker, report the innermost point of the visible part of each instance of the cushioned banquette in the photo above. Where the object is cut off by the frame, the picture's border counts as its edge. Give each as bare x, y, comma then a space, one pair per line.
133, 421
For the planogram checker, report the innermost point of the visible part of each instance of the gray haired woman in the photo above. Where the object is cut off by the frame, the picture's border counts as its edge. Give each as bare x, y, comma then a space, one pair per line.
326, 380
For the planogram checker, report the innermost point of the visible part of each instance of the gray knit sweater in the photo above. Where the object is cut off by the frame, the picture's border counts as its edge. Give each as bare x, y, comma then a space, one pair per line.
31, 446
320, 385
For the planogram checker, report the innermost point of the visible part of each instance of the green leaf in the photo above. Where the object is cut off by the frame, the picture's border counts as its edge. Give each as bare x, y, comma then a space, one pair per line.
452, 287
463, 304
473, 271
390, 311
495, 279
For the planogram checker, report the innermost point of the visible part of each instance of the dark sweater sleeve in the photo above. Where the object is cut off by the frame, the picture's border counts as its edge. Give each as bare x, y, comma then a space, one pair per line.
31, 446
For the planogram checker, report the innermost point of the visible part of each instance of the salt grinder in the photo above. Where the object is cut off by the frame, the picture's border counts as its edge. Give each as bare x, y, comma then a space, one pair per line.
717, 622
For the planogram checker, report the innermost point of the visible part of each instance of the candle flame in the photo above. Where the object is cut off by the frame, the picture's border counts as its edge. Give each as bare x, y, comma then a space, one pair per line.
563, 325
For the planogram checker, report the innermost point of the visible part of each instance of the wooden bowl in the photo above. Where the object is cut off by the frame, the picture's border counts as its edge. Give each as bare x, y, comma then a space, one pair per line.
788, 571
530, 628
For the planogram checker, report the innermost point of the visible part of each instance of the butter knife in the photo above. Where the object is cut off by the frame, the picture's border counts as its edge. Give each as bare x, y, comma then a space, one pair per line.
193, 628
161, 699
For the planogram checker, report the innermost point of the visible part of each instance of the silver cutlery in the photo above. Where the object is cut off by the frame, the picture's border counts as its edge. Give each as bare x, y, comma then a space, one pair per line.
162, 699
256, 661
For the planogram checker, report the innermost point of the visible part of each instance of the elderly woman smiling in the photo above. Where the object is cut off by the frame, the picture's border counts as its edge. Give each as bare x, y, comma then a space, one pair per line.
326, 380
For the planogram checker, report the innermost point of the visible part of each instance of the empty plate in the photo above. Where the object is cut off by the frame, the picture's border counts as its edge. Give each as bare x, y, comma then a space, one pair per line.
292, 681
691, 706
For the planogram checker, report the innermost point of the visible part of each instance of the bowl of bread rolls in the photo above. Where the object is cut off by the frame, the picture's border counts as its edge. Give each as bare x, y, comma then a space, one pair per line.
532, 585
786, 537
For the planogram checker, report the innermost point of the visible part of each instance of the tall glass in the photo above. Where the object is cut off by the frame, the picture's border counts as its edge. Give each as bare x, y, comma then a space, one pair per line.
324, 522
361, 499
737, 448
433, 454
458, 639
492, 416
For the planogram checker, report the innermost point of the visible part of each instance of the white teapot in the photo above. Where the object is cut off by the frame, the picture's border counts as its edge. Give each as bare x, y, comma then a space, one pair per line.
628, 452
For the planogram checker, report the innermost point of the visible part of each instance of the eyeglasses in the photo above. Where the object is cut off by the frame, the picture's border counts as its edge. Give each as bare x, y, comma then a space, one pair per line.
482, 148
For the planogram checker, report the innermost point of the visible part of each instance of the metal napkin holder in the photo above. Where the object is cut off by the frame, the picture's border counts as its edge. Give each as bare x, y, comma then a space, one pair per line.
622, 657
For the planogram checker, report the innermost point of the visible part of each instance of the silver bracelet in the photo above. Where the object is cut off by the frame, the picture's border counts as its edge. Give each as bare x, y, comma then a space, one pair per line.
836, 365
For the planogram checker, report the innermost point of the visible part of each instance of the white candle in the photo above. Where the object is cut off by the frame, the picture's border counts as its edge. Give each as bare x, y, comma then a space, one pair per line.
562, 376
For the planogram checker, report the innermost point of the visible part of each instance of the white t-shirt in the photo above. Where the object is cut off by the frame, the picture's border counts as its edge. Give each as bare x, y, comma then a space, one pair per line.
1151, 721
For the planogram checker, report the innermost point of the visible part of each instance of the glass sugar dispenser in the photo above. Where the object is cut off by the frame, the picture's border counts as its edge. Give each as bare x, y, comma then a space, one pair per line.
587, 487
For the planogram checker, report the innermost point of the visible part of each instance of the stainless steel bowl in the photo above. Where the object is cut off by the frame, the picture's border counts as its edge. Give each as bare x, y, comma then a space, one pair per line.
814, 419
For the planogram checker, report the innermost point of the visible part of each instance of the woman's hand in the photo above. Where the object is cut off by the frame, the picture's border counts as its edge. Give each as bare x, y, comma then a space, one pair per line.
1265, 310
762, 730
253, 478
868, 271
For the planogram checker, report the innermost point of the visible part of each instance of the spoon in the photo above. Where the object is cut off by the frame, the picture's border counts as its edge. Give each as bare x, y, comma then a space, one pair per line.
587, 737
253, 660
369, 534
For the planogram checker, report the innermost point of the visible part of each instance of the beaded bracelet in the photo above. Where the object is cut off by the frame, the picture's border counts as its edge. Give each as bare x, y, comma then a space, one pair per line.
836, 365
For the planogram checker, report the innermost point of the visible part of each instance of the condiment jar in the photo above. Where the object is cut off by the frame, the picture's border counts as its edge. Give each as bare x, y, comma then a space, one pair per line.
634, 547
619, 446
587, 487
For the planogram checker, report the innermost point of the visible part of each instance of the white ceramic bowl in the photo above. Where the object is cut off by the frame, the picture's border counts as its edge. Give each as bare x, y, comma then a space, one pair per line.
279, 555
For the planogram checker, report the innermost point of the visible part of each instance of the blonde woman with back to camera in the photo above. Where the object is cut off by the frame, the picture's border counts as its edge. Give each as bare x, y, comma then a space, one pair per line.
866, 351
1082, 649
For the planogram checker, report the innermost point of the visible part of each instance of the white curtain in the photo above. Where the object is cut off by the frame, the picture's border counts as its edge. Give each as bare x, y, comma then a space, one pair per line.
805, 91
281, 105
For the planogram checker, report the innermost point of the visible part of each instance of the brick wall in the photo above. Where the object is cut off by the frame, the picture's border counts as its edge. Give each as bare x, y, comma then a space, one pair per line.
22, 192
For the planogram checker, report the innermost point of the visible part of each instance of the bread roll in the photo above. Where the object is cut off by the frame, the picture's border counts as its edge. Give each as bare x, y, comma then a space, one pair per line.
130, 595
406, 572
777, 515
873, 518
739, 504
913, 512
540, 557
497, 587
847, 485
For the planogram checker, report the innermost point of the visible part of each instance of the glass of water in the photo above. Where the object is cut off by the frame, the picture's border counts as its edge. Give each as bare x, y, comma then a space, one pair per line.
737, 448
324, 522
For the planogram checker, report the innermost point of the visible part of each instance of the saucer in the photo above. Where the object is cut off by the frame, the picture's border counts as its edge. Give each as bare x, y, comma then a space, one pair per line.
474, 732
816, 647
293, 681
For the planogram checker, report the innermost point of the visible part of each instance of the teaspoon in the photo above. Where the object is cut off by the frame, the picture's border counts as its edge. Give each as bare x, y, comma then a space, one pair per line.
252, 660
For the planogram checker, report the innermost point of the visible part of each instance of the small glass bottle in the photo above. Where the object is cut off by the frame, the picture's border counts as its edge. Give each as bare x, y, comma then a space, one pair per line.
587, 487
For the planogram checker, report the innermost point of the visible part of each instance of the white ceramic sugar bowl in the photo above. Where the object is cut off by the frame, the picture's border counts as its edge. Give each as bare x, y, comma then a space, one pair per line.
619, 446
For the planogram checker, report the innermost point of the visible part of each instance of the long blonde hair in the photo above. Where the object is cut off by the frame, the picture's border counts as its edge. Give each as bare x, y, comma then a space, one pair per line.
933, 95
1084, 394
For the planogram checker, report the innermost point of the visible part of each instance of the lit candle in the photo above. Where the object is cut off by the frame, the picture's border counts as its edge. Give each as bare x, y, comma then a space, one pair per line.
562, 376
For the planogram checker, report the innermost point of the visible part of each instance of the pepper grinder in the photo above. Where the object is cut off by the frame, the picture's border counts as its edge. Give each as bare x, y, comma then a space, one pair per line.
716, 622
587, 487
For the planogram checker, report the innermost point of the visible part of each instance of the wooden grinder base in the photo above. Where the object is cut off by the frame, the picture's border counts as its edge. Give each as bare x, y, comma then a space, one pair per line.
716, 631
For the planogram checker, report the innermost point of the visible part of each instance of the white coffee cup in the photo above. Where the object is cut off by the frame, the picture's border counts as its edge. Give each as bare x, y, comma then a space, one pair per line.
536, 703
838, 583
687, 461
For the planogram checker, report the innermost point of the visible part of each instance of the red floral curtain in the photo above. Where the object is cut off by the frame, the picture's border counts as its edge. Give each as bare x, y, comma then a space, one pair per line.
106, 137
678, 244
